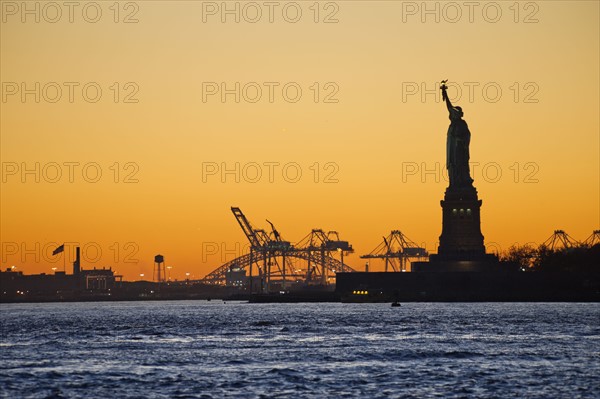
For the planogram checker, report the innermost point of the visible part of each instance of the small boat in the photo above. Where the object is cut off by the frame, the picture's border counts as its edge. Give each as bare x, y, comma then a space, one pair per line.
396, 304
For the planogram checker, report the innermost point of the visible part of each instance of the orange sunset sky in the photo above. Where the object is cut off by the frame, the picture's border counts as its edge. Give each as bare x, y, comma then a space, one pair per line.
367, 132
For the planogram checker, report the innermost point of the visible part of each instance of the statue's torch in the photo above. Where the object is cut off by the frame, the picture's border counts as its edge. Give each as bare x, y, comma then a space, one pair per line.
443, 87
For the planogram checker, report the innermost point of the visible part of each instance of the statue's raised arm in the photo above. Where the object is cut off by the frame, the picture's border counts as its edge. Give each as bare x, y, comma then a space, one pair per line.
455, 112
445, 97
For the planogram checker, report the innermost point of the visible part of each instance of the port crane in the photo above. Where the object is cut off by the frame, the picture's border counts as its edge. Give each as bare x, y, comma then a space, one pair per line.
318, 247
593, 239
396, 249
272, 257
560, 239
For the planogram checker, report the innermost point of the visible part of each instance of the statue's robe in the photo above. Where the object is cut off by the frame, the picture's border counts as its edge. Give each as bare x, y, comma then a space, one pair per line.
457, 152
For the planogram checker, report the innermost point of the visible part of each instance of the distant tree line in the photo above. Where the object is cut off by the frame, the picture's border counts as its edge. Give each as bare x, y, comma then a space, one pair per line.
579, 258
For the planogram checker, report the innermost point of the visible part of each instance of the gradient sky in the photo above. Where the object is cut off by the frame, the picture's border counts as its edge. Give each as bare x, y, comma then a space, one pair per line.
541, 133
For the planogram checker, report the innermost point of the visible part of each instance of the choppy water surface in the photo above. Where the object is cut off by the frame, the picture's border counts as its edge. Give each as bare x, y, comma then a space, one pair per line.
215, 349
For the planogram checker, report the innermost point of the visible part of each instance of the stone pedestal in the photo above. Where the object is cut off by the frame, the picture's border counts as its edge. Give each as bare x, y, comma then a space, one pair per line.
461, 237
461, 242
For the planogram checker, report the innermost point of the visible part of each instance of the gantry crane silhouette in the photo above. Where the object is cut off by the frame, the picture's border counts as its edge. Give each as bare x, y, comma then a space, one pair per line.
559, 240
593, 239
396, 249
271, 258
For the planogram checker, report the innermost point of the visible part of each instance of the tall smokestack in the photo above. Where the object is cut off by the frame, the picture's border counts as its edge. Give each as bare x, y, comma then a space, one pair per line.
77, 263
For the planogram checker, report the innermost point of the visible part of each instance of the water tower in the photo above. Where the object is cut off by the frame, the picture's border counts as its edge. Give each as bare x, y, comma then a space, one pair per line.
159, 269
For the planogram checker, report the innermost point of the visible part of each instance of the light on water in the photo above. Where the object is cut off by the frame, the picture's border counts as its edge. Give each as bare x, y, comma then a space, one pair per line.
211, 349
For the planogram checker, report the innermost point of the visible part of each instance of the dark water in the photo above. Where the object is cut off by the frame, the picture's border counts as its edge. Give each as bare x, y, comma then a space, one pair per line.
213, 349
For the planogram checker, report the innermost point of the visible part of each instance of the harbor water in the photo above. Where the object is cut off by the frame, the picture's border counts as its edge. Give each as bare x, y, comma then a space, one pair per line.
200, 349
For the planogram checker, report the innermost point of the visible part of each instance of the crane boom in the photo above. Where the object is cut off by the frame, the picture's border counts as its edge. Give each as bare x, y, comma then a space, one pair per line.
275, 232
246, 227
